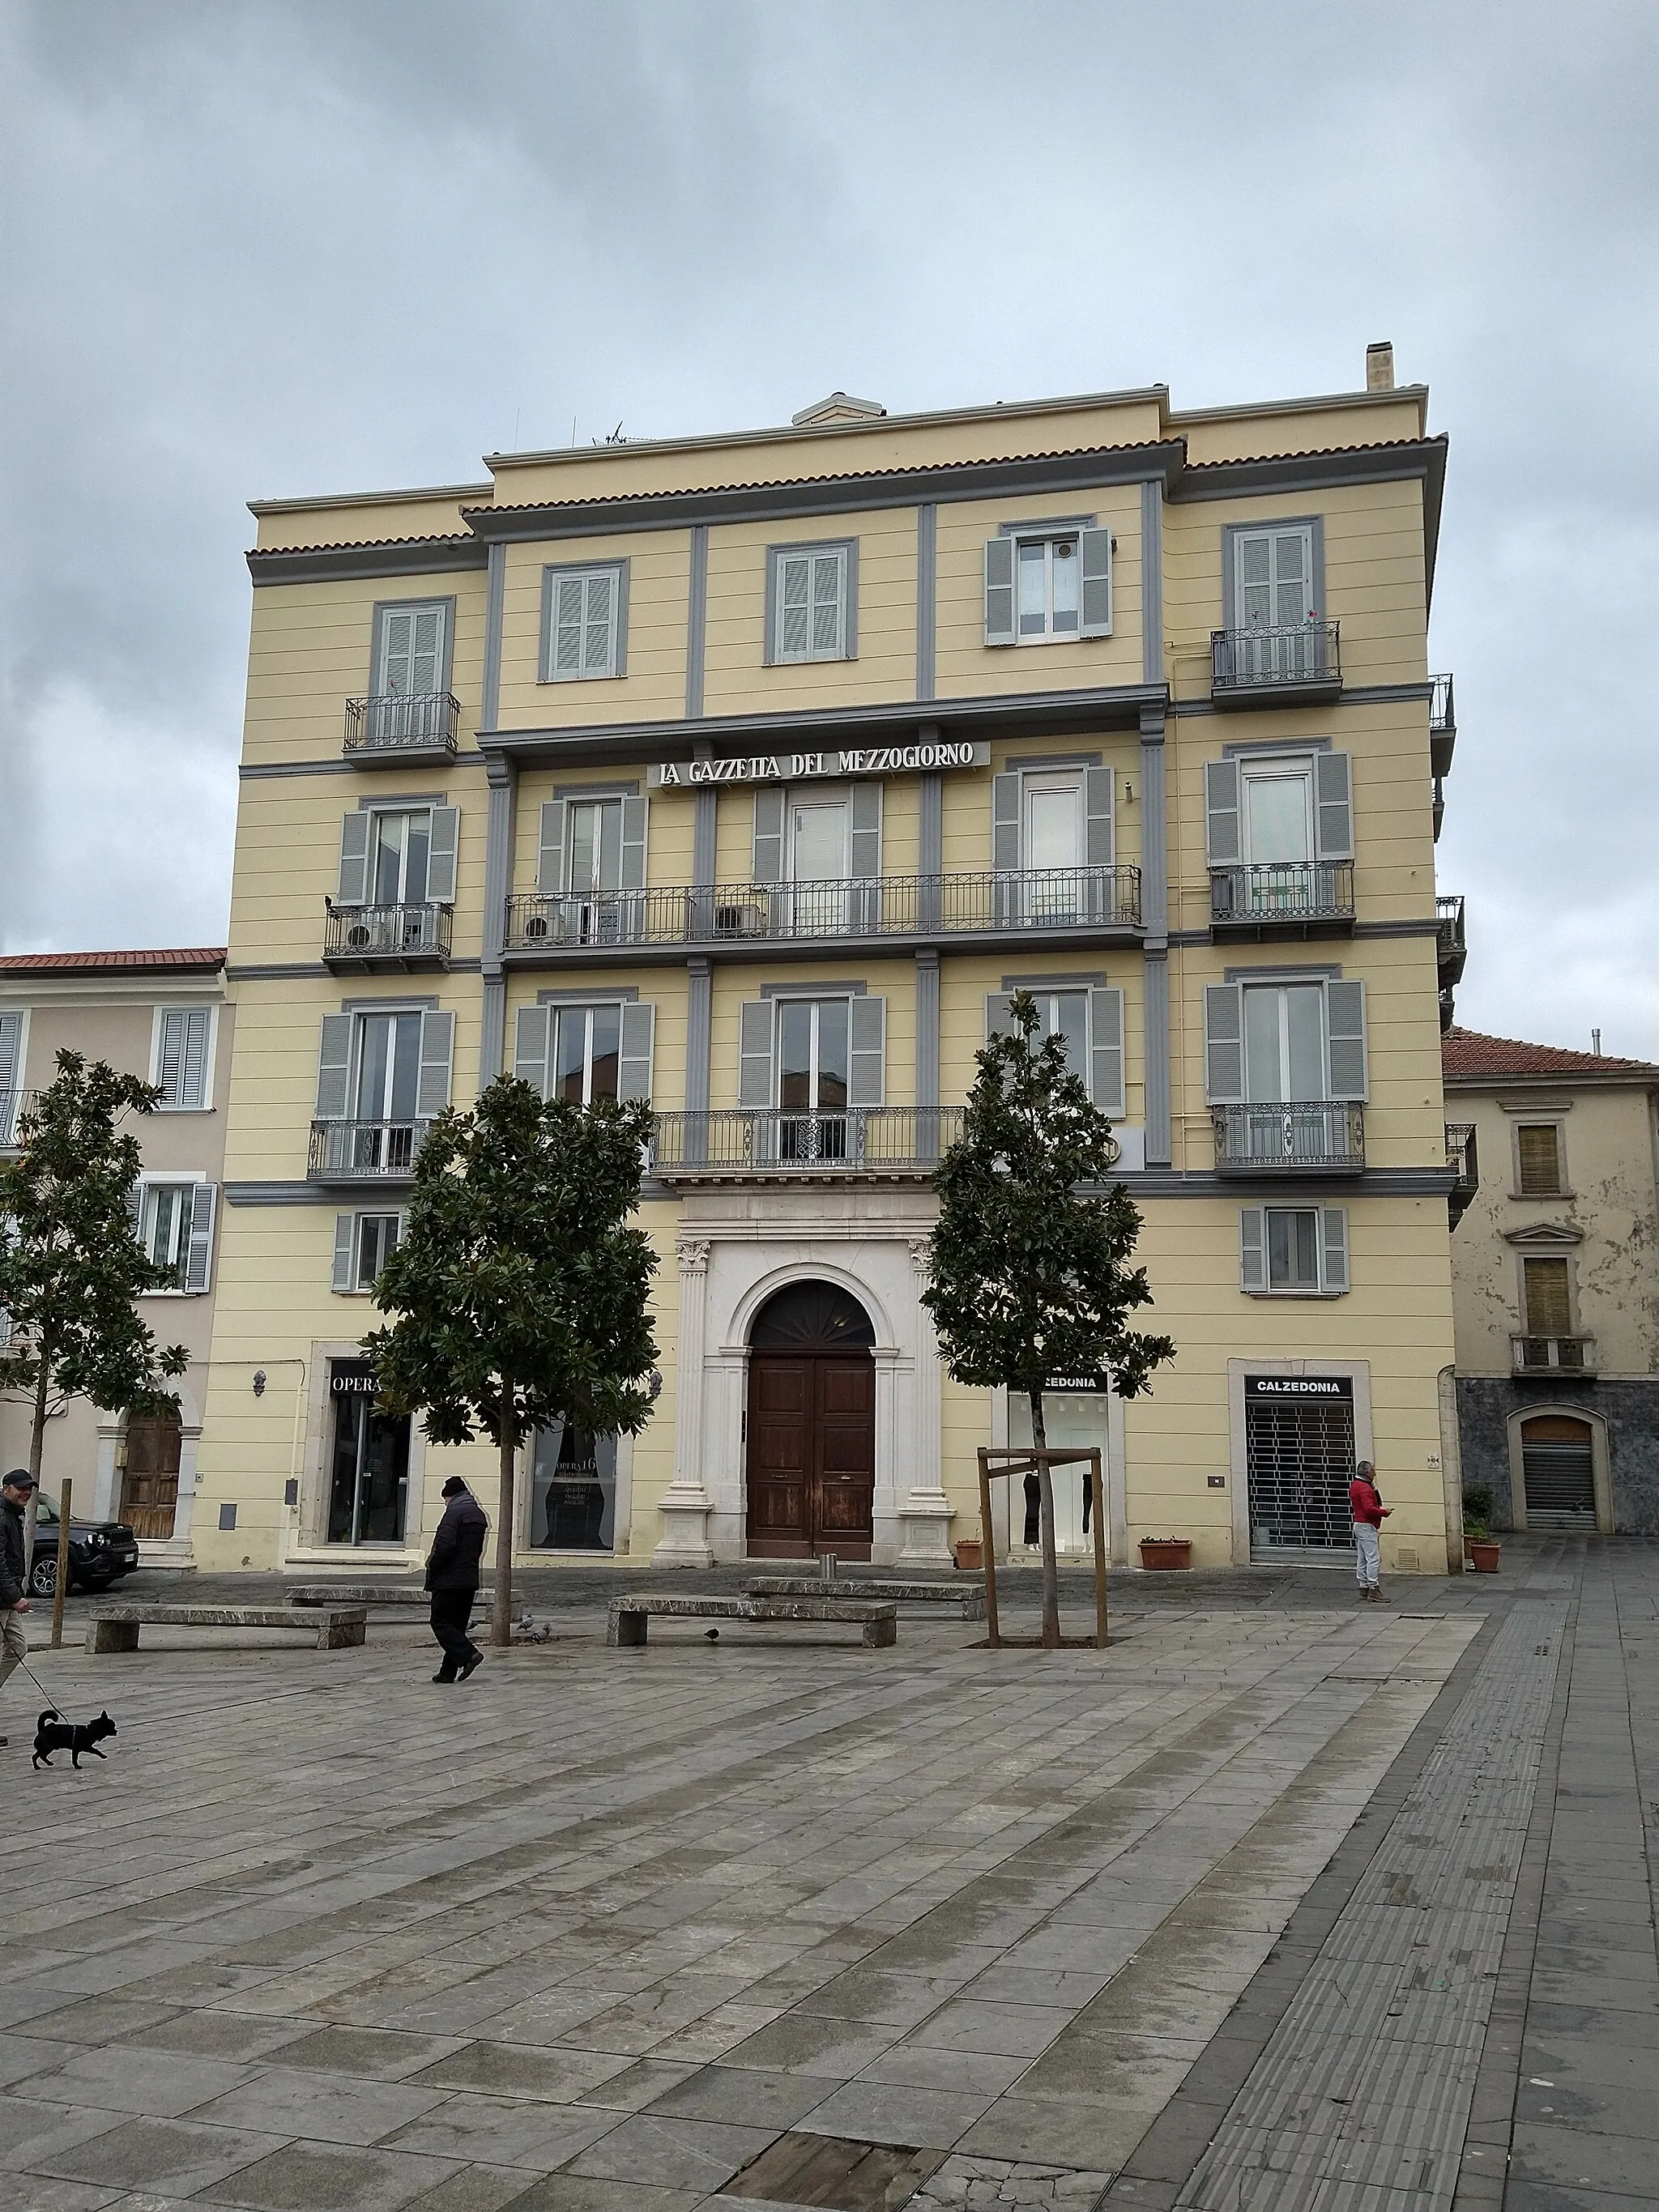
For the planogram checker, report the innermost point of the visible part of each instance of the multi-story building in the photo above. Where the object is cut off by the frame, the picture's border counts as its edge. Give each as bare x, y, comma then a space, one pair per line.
162, 1016
1555, 1284
750, 775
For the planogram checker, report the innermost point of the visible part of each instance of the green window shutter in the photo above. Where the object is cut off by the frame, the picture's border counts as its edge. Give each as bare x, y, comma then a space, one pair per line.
1223, 1044
634, 1063
867, 829
1334, 1225
345, 1226
767, 853
334, 1067
634, 813
867, 1086
999, 1014
1221, 812
1095, 550
1253, 1249
999, 591
1005, 822
437, 1045
1344, 1030
441, 855
1097, 817
551, 863
198, 1248
1333, 807
1106, 1051
530, 1046
755, 1054
353, 856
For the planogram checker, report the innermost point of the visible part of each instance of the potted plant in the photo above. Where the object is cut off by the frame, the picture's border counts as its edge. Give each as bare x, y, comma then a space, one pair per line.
967, 1551
1480, 1548
1158, 1554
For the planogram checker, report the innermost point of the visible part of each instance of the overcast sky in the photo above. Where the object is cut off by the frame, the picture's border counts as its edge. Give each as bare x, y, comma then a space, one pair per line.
279, 247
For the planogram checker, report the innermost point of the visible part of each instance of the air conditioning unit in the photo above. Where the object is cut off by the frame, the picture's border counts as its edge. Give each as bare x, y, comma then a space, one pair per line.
537, 929
747, 920
359, 938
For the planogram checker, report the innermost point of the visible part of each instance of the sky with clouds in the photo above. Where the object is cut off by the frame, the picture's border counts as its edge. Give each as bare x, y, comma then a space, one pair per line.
284, 248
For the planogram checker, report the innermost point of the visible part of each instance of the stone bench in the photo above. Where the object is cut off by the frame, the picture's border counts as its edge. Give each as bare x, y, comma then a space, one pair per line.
970, 1597
115, 1627
307, 1594
630, 1617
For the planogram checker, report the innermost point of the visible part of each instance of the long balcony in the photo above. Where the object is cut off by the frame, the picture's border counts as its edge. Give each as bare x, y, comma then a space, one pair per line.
1317, 1137
1282, 898
1299, 664
352, 1153
1552, 1357
395, 727
1442, 725
1043, 904
776, 1143
362, 940
1460, 1158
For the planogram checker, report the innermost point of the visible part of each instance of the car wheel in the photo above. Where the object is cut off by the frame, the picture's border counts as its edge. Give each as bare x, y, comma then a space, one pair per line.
42, 1576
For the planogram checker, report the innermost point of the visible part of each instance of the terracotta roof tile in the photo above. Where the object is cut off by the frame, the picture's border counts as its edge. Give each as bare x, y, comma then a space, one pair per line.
1468, 1053
189, 960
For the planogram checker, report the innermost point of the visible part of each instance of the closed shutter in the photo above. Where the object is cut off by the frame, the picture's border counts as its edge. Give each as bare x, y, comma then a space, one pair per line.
1097, 817
827, 600
1253, 1249
353, 856
634, 1067
411, 651
1334, 1225
1345, 1009
1540, 1148
345, 1237
529, 1041
1333, 806
11, 1052
1549, 1304
999, 1014
1221, 831
869, 1039
999, 591
136, 1207
599, 622
1223, 1044
755, 1053
550, 862
183, 1073
766, 856
564, 644
437, 1044
1095, 549
793, 626
441, 855
1273, 578
198, 1251
1005, 822
1106, 1051
866, 831
635, 814
334, 1067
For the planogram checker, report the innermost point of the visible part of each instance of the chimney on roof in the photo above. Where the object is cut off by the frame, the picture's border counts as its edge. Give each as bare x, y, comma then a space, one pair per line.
839, 407
1595, 1042
1379, 366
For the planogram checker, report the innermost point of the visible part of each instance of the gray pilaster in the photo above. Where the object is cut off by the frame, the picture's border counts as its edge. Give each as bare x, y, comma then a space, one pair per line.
503, 776
696, 621
699, 1023
930, 838
1151, 580
495, 598
1155, 913
1156, 991
926, 595
927, 1029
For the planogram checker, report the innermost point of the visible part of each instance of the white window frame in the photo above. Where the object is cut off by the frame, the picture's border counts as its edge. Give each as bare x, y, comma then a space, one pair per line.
155, 1179
358, 1288
587, 1008
1278, 769
1047, 540
387, 611
9, 1113
1322, 1287
158, 1031
843, 552
555, 575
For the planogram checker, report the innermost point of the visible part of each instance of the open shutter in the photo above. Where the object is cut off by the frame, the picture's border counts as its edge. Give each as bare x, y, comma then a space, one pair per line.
765, 857
136, 1207
866, 831
530, 1046
549, 866
999, 1014
193, 1074
1253, 1249
11, 1054
634, 1067
755, 1053
1223, 1044
1106, 1051
1098, 812
334, 1067
1345, 1012
441, 855
345, 1226
353, 856
1221, 831
999, 591
1333, 1223
635, 811
1095, 549
1333, 807
869, 1027
437, 1044
1004, 821
198, 1251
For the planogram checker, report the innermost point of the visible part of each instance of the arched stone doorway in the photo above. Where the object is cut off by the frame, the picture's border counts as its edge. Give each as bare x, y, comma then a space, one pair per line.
811, 1451
1557, 1473
150, 1477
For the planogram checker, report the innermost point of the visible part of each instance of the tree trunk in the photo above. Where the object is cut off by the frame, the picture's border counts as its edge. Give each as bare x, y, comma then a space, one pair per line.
1046, 1511
37, 1453
501, 1616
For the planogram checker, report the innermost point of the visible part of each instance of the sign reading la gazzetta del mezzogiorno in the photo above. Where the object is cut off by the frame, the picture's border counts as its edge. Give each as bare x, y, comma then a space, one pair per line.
796, 768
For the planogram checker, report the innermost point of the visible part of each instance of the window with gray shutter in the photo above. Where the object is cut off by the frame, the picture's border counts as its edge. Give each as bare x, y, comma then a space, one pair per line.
767, 852
1273, 577
1334, 1219
411, 651
867, 1086
1095, 556
197, 1256
550, 864
437, 1044
530, 1047
11, 1075
182, 1058
866, 831
1004, 821
755, 1053
1099, 829
583, 622
1333, 806
345, 1238
1106, 1051
1223, 1044
445, 835
353, 856
1344, 1011
334, 1067
999, 592
1221, 813
634, 1067
635, 815
1252, 1248
812, 597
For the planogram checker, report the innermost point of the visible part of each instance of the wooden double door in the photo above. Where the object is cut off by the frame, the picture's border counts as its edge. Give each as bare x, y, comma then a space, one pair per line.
811, 1457
149, 1487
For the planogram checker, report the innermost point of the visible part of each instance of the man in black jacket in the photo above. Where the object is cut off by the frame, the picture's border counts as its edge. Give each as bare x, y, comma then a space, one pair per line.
451, 1576
13, 1590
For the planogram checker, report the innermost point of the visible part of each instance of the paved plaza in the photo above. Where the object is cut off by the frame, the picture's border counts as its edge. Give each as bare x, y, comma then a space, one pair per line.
1281, 1902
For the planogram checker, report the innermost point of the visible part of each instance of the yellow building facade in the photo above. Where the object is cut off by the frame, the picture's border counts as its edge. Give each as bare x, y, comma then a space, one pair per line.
752, 774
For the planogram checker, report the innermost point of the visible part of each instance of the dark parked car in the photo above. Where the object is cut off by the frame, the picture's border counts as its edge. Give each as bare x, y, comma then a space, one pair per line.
101, 1552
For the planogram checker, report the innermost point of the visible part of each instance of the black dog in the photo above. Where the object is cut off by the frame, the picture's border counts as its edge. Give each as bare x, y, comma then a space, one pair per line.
53, 1733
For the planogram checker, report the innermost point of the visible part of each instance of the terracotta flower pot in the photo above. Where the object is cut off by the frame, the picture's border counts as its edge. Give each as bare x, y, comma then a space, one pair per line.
1159, 1554
967, 1550
1484, 1553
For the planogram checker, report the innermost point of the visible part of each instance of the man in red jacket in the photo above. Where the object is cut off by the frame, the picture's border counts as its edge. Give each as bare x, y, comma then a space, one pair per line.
1369, 1515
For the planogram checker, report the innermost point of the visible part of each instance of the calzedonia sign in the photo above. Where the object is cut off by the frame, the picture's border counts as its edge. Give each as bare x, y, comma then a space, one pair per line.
799, 768
1298, 1386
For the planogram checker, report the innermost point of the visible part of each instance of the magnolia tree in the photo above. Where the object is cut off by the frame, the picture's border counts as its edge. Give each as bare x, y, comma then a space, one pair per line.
71, 1264
1029, 1268
519, 1294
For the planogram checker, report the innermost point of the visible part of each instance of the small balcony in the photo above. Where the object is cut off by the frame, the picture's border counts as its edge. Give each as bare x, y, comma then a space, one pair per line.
1317, 1137
1552, 1357
1442, 725
776, 1145
1437, 804
1299, 666
1460, 1158
1282, 898
1043, 902
13, 1104
395, 727
353, 1152
364, 940
1451, 949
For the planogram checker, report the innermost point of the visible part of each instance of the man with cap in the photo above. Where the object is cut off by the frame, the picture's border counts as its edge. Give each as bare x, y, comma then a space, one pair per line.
452, 1578
14, 1587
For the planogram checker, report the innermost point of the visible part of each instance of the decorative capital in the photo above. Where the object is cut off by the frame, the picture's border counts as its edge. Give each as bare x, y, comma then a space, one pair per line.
694, 1257
918, 1246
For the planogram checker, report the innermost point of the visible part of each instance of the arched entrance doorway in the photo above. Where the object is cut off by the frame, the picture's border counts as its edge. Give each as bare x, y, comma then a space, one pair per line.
149, 1481
811, 1425
1557, 1471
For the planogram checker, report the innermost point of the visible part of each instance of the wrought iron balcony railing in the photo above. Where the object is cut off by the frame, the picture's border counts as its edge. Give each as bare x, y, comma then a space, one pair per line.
860, 1141
1553, 1355
393, 722
1259, 895
12, 1105
1452, 949
885, 906
360, 938
1443, 724
1304, 658
1317, 1137
1461, 1157
364, 1152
